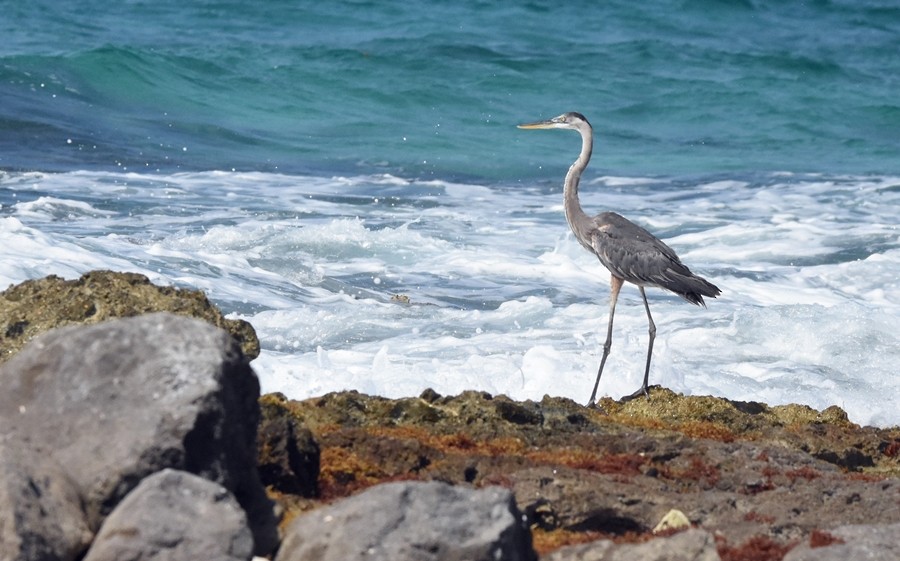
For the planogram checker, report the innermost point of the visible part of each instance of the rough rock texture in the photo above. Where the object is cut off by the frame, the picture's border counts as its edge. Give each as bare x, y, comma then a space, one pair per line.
174, 515
36, 306
761, 479
87, 414
691, 545
851, 543
412, 521
40, 510
118, 401
288, 454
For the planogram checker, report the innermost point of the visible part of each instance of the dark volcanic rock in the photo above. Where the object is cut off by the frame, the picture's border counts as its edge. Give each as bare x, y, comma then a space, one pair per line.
118, 401
412, 521
288, 454
756, 476
87, 413
36, 306
618, 503
174, 515
40, 510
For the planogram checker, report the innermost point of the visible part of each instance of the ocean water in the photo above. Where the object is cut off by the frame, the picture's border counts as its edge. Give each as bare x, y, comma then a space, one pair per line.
348, 178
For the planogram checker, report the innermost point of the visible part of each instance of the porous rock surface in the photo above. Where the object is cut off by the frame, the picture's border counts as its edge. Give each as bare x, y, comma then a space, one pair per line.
758, 480
414, 521
174, 515
115, 402
87, 414
35, 306
691, 545
289, 456
40, 509
869, 542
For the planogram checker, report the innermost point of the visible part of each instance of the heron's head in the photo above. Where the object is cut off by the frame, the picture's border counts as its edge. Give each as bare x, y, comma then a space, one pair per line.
571, 120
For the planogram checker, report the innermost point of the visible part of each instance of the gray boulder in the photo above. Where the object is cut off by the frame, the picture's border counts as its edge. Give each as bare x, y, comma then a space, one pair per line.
869, 542
120, 400
175, 515
40, 510
413, 521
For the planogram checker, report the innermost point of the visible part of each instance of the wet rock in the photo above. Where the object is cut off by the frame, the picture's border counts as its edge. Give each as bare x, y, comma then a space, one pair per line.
40, 510
36, 306
174, 515
411, 520
118, 401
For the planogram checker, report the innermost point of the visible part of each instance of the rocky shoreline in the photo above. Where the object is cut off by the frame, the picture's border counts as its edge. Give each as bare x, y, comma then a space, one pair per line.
147, 437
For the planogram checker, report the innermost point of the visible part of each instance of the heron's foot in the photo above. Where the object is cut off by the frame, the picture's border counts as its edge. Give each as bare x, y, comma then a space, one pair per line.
643, 390
596, 407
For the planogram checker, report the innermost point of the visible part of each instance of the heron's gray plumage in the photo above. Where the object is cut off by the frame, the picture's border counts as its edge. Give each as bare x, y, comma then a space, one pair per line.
628, 251
635, 255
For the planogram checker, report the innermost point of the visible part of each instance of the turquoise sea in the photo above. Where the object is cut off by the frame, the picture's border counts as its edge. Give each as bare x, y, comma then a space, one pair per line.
431, 89
306, 163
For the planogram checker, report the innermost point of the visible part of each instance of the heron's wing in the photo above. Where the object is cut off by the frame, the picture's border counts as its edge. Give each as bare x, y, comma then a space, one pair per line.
634, 254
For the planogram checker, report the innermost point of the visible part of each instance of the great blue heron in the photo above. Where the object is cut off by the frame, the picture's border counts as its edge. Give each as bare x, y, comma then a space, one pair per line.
630, 252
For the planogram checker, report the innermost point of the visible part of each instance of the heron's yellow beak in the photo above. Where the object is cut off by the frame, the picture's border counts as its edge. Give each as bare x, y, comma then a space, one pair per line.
549, 124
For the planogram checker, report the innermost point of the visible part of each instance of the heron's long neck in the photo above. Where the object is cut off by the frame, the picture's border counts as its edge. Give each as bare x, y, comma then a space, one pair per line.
574, 213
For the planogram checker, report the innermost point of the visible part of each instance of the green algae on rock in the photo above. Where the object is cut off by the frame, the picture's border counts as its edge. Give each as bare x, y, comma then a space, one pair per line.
35, 306
745, 470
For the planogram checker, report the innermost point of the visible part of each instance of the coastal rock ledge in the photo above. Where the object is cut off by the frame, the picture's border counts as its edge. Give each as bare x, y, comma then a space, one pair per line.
32, 307
147, 438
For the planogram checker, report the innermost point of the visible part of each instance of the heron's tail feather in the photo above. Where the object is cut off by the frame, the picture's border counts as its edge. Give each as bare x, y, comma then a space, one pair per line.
693, 288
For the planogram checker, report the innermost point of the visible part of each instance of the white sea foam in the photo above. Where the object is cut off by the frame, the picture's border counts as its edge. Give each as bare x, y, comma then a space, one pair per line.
502, 298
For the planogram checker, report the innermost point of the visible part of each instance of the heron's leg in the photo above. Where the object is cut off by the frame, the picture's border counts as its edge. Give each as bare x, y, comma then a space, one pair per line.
643, 390
615, 284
